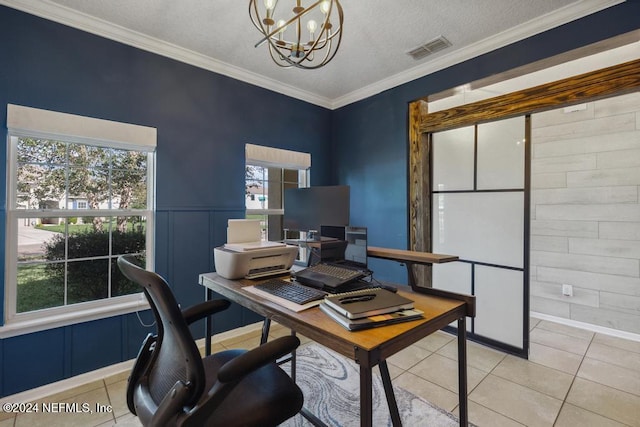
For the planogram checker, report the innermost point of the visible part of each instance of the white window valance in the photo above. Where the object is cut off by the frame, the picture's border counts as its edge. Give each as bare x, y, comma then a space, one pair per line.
34, 122
276, 157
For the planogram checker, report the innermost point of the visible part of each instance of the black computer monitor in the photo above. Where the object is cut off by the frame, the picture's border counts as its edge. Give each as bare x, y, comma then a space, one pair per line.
306, 209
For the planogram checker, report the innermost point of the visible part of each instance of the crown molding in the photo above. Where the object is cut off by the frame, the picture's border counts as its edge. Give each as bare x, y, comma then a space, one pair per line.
72, 18
67, 16
539, 25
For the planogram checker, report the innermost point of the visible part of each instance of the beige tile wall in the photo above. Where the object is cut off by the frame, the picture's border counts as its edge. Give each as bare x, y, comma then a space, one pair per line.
585, 213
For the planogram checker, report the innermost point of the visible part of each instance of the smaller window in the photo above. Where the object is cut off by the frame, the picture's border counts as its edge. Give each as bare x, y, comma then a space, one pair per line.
268, 173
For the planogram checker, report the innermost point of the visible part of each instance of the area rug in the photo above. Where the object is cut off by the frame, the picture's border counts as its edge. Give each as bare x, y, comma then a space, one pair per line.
331, 387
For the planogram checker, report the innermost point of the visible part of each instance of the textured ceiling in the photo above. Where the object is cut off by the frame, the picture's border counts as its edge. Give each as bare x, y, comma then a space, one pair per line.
218, 35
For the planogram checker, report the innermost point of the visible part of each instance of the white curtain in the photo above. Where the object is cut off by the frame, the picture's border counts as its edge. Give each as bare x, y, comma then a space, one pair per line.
276, 157
34, 122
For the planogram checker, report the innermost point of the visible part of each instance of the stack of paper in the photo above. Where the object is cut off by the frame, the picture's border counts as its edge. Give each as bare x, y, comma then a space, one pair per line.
246, 235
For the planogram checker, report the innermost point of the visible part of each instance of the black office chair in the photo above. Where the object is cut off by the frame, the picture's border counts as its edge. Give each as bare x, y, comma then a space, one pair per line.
172, 385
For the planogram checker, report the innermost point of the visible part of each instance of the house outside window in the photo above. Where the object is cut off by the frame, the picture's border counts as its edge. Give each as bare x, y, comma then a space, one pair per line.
268, 173
74, 205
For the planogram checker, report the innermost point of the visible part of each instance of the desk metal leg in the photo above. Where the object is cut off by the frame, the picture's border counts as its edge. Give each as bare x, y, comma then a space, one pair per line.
266, 325
208, 324
366, 396
462, 372
388, 391
293, 360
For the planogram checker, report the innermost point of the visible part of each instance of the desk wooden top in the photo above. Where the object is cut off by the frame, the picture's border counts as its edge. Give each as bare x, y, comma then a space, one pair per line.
377, 343
401, 255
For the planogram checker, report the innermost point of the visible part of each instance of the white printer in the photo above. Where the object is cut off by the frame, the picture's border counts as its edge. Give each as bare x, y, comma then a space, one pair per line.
254, 263
245, 255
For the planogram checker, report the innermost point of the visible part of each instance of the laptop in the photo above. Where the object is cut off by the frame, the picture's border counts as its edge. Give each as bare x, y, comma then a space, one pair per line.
342, 258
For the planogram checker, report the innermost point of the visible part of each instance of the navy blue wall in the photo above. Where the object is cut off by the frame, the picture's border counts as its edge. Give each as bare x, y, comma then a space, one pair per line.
370, 137
203, 121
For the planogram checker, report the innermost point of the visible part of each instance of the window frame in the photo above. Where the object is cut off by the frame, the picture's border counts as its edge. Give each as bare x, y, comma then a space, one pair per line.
15, 323
303, 179
275, 158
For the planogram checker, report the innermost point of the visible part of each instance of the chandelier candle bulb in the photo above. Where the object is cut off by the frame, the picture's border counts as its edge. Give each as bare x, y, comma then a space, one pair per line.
269, 5
282, 27
312, 26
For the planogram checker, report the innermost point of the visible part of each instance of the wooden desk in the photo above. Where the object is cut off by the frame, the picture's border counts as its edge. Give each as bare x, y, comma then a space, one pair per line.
369, 347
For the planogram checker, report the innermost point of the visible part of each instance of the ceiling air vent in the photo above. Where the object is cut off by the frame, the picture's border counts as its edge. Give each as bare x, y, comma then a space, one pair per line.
429, 47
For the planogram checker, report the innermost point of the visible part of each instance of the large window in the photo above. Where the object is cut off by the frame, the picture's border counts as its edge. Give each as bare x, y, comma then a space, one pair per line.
74, 205
268, 173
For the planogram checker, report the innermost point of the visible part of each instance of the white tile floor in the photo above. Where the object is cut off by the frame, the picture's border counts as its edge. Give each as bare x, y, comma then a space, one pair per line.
573, 378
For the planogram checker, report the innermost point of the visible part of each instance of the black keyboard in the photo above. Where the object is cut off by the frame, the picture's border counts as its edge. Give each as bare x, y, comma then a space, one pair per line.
293, 292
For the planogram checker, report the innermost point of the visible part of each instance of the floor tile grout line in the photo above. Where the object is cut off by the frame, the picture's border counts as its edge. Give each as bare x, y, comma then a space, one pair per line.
504, 356
573, 380
499, 413
611, 363
106, 390
412, 366
555, 349
617, 347
603, 361
591, 412
590, 339
532, 389
540, 365
491, 372
557, 331
517, 384
609, 386
477, 385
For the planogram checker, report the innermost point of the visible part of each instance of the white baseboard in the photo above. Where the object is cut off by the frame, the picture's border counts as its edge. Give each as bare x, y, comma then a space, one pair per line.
67, 384
588, 326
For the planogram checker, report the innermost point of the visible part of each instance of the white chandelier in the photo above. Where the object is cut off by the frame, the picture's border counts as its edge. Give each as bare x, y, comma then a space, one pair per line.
298, 36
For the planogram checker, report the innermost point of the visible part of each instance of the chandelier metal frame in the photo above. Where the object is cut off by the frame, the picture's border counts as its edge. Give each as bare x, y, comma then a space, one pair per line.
296, 52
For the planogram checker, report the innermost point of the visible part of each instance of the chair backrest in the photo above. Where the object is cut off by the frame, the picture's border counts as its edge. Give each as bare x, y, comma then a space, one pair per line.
175, 356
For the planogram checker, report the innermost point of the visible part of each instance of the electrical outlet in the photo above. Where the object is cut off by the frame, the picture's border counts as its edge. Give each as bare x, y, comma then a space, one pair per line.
567, 290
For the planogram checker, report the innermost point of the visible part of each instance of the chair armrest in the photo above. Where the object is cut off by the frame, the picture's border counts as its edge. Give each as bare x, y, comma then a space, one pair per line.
202, 310
256, 358
171, 405
233, 371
